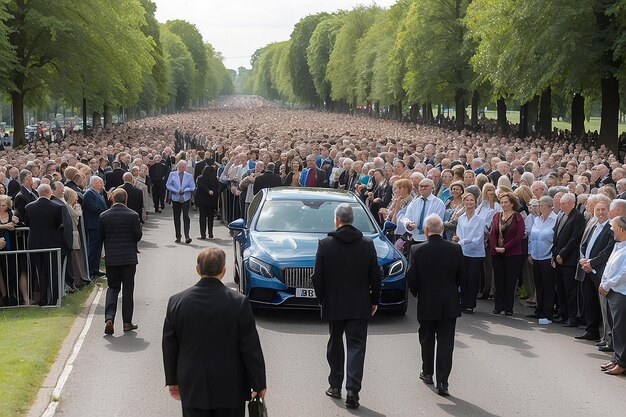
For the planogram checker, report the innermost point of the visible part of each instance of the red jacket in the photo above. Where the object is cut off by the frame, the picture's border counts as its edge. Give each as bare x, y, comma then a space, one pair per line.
512, 238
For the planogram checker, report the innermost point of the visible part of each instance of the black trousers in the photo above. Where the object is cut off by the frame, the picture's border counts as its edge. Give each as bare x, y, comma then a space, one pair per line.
206, 215
356, 337
470, 281
442, 332
158, 194
94, 250
592, 312
505, 272
45, 271
545, 277
566, 288
120, 278
222, 412
179, 208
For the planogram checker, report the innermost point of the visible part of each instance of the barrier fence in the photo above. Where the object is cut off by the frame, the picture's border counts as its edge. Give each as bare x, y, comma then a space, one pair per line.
31, 275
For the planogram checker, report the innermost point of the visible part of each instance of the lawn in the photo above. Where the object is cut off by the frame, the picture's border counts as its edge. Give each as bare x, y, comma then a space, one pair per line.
30, 339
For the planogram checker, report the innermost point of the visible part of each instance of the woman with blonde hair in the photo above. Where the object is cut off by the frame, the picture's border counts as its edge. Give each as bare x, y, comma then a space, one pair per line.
77, 256
488, 207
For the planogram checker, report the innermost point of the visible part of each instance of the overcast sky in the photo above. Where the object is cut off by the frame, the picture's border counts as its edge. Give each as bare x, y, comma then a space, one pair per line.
237, 28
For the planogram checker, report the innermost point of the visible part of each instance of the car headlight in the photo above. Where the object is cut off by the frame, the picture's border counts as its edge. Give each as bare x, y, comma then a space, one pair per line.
260, 267
393, 269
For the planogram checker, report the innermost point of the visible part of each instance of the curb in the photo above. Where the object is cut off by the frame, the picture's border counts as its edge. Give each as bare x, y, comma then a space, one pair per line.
45, 392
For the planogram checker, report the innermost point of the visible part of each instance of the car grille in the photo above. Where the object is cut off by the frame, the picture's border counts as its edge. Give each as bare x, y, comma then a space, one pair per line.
298, 277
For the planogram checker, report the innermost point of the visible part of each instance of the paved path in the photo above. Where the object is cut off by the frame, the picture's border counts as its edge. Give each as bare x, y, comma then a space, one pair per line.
502, 366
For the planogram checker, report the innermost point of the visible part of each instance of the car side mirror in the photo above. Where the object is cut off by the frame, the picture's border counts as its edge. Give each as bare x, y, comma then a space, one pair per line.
389, 226
238, 225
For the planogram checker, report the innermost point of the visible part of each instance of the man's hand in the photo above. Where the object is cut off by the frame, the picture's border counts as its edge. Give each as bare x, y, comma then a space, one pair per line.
174, 392
587, 267
3, 243
530, 260
602, 291
181, 192
261, 393
374, 309
559, 260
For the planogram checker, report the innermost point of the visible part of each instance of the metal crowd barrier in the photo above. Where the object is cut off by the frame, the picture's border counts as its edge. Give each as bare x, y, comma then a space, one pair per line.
19, 273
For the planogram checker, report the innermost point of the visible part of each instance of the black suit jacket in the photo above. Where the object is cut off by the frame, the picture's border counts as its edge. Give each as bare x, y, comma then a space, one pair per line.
567, 243
211, 348
204, 184
20, 201
135, 199
120, 230
75, 187
113, 179
346, 277
266, 180
599, 255
434, 275
13, 188
45, 220
197, 171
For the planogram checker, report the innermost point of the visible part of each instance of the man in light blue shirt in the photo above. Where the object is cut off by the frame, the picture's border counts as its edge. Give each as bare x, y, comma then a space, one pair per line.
420, 208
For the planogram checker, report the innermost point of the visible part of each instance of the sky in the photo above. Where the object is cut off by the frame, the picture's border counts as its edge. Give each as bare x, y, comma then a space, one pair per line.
237, 28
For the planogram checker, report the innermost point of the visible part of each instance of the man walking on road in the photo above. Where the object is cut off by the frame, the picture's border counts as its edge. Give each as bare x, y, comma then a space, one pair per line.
349, 293
434, 276
181, 185
211, 349
120, 231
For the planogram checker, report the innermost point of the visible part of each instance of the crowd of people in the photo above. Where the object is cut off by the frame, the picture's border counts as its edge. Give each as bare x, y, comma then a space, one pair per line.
536, 218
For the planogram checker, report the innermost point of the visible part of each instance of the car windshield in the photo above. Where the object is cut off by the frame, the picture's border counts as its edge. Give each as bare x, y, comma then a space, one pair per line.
307, 216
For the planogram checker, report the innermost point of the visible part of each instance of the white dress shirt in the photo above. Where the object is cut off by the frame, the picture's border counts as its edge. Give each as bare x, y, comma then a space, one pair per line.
471, 234
614, 277
541, 236
414, 211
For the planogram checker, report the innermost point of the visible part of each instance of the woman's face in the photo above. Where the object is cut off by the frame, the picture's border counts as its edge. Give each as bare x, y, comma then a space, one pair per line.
4, 207
505, 203
295, 166
491, 193
457, 191
545, 209
469, 202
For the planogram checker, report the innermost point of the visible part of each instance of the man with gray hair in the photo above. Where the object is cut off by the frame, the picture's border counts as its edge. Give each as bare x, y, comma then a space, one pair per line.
424, 204
434, 275
349, 293
568, 232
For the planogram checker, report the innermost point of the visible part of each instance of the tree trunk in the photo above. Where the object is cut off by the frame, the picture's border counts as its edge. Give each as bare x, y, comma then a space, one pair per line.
475, 105
107, 115
415, 111
19, 138
459, 103
522, 132
533, 115
503, 125
545, 113
610, 113
95, 119
578, 115
84, 116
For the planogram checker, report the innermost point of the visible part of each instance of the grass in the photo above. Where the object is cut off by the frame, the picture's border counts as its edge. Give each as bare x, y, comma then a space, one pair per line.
30, 339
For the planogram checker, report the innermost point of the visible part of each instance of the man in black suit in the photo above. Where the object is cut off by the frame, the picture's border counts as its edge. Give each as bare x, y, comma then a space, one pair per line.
595, 250
120, 230
158, 175
568, 232
114, 179
312, 176
206, 161
13, 186
45, 220
135, 196
26, 194
267, 179
434, 276
211, 349
349, 293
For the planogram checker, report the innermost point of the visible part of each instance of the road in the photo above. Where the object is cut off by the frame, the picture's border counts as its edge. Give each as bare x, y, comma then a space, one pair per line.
503, 366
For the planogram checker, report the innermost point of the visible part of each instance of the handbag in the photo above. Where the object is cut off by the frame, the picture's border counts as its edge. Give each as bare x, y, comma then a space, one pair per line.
257, 407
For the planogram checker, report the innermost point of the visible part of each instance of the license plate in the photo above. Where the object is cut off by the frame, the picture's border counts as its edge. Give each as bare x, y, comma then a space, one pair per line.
305, 293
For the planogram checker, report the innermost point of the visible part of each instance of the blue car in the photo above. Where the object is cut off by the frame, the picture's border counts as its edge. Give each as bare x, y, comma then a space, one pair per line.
275, 249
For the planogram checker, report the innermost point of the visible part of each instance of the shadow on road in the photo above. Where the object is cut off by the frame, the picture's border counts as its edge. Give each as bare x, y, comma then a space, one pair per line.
361, 411
126, 343
460, 407
479, 329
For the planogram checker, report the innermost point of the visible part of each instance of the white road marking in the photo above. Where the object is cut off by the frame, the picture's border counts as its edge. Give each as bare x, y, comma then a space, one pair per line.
56, 393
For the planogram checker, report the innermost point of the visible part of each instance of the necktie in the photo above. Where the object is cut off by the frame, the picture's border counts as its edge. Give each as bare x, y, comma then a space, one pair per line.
420, 225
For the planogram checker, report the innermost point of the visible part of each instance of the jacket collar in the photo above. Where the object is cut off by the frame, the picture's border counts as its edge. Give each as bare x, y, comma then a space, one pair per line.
209, 282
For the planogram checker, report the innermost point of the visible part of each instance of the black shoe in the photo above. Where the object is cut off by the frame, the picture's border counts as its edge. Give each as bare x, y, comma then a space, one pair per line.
570, 323
99, 273
177, 240
557, 319
334, 392
352, 399
442, 390
533, 316
188, 240
86, 281
600, 343
428, 379
496, 312
588, 336
210, 236
201, 238
108, 327
468, 310
508, 313
605, 348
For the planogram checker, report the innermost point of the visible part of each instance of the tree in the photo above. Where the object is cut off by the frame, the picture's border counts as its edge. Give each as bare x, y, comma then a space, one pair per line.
7, 56
182, 71
154, 85
318, 53
341, 70
303, 86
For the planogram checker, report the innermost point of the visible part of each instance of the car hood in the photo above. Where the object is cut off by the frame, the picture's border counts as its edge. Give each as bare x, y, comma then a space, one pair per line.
290, 247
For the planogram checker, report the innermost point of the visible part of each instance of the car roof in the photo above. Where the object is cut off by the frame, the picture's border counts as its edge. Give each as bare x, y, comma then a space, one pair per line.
291, 193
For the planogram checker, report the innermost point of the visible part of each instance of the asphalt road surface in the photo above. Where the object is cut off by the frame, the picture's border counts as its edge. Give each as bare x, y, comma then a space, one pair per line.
503, 366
